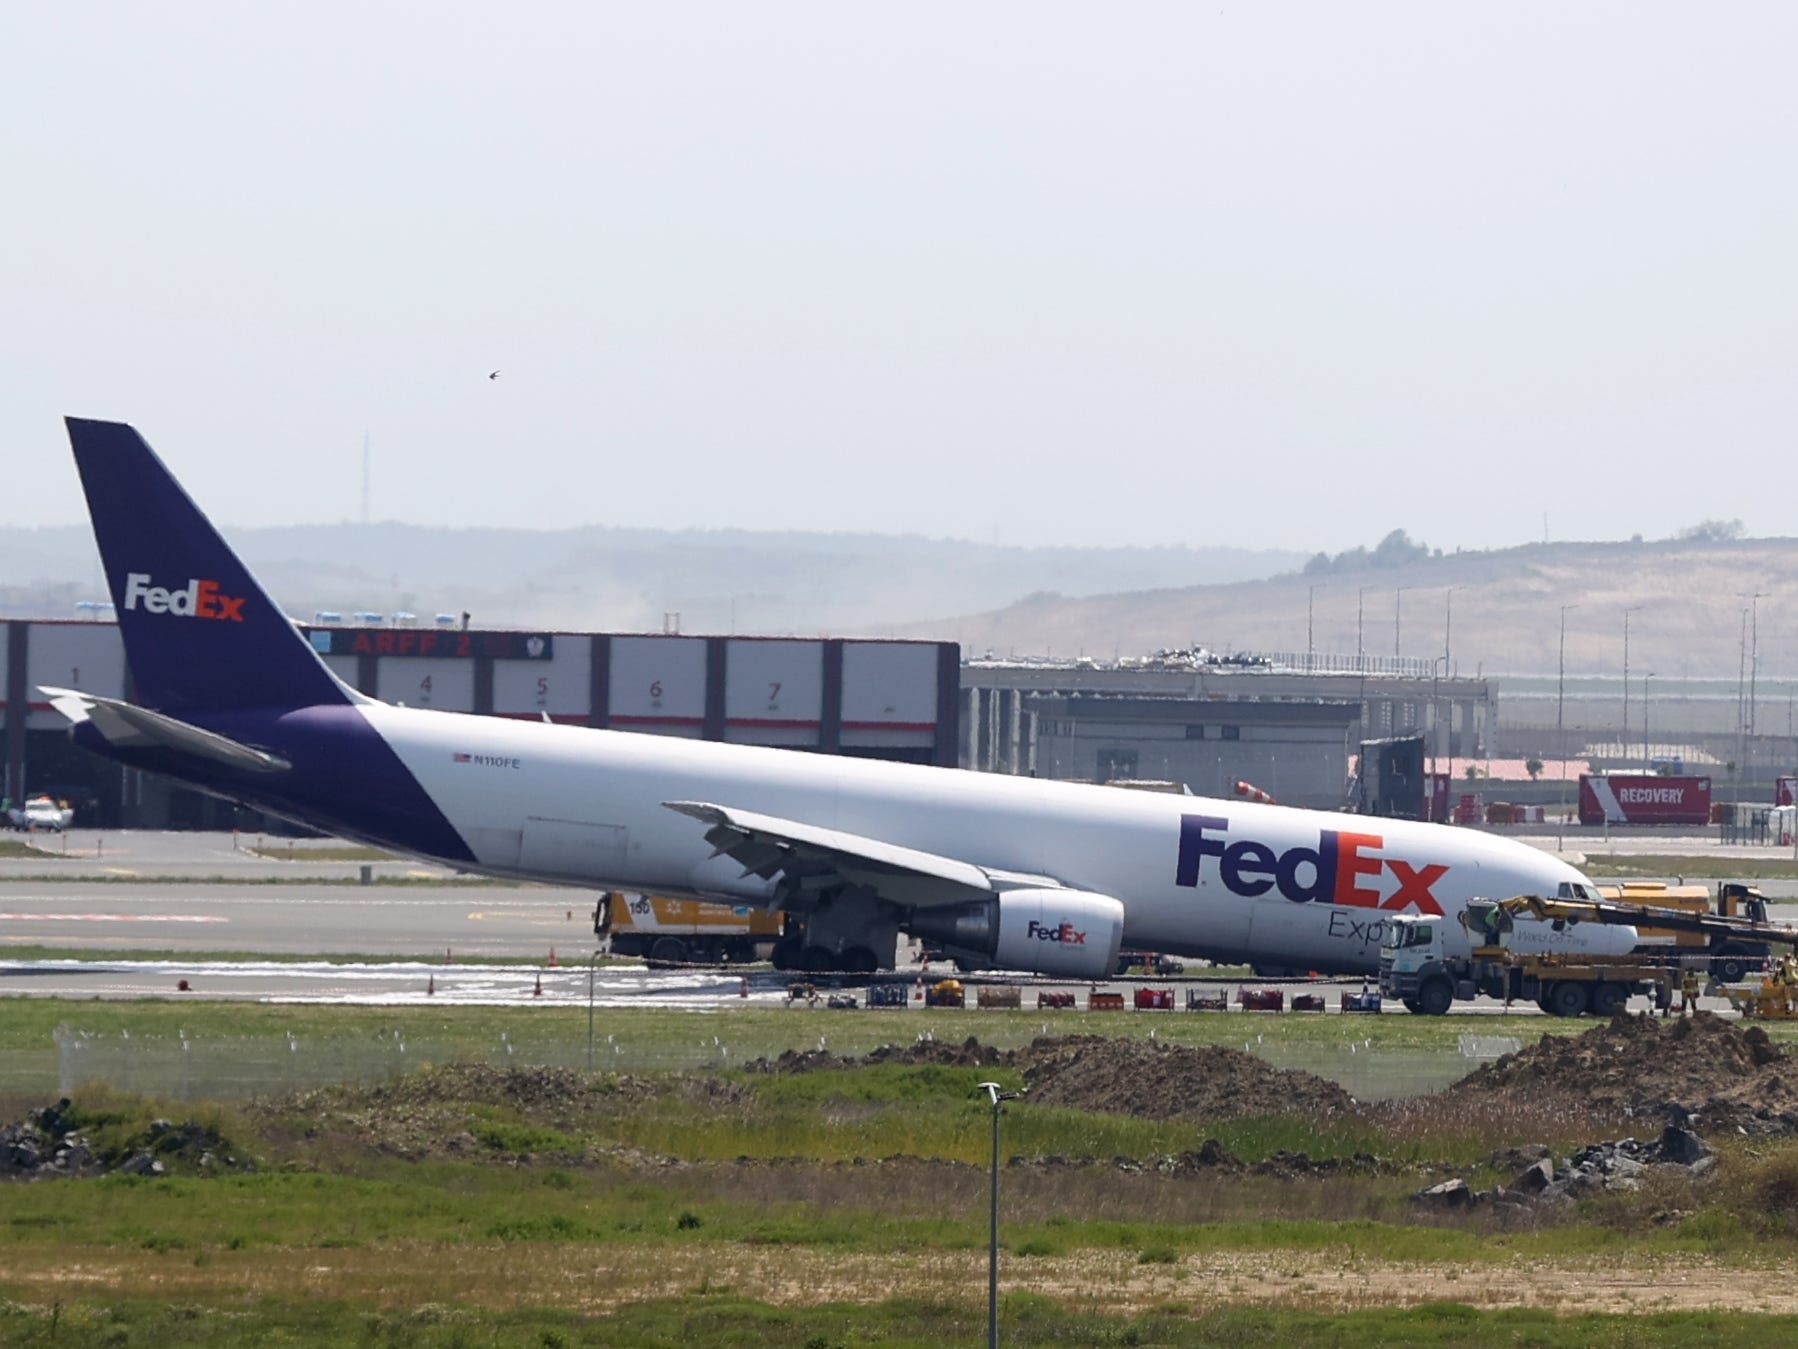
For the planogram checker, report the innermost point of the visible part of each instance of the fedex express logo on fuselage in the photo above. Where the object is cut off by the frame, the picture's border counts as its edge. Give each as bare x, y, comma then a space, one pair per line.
198, 599
1342, 869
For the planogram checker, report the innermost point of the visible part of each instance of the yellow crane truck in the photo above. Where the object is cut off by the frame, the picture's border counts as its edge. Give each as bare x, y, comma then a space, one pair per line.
1416, 969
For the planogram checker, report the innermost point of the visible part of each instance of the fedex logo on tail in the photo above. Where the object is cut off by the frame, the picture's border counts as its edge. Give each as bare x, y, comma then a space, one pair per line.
1343, 868
198, 599
1061, 932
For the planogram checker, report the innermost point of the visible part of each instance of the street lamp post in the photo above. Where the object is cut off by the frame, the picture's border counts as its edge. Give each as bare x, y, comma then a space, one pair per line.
1310, 645
1754, 662
997, 1095
1647, 756
1561, 727
1448, 622
1398, 599
1623, 741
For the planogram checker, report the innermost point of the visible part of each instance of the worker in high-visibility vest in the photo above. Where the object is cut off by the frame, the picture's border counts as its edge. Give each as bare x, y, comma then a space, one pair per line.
1688, 991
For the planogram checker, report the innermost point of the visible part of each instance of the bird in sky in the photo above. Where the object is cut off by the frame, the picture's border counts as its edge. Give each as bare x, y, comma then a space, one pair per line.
494, 375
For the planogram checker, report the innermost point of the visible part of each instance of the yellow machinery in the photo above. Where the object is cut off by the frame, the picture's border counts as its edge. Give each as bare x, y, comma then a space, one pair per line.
1772, 997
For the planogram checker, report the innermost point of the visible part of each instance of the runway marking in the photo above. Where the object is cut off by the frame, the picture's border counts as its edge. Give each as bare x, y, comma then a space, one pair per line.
110, 918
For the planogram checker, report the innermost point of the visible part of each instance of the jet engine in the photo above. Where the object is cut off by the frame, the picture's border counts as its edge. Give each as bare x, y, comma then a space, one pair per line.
1063, 932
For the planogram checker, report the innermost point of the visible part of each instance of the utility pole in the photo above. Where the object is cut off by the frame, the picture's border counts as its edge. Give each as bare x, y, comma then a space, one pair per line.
1398, 599
1360, 614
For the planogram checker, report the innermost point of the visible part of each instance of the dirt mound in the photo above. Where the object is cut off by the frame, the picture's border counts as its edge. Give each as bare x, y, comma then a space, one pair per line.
1136, 1077
451, 1110
1701, 1067
970, 1053
1123, 1077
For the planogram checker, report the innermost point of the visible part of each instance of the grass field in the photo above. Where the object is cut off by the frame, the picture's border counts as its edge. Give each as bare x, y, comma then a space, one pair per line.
840, 1207
844, 1207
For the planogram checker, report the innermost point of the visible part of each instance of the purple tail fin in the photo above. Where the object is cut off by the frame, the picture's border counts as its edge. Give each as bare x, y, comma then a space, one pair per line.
200, 633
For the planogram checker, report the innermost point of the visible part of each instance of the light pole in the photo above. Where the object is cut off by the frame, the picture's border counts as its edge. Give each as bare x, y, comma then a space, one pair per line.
1754, 663
1360, 615
1310, 646
1741, 706
1398, 599
1647, 757
1561, 727
1624, 740
1448, 622
997, 1095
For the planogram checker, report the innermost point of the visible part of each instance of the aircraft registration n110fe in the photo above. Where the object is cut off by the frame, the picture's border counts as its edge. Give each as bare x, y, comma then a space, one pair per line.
1018, 873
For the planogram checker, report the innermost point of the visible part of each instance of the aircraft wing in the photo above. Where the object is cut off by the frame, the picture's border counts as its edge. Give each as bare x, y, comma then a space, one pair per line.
814, 858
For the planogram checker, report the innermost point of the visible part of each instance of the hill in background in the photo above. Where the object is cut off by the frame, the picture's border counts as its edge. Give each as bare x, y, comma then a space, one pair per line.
1503, 616
1502, 609
627, 579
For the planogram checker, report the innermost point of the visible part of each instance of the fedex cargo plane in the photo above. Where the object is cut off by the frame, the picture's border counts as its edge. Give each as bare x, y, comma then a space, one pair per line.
1024, 874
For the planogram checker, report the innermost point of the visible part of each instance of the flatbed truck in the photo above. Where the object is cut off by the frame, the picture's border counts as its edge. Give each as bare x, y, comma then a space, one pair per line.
1416, 969
1418, 972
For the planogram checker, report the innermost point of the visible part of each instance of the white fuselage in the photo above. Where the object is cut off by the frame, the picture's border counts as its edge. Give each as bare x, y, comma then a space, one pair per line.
1250, 882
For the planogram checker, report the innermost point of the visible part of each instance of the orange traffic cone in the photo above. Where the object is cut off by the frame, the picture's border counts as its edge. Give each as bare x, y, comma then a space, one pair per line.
432, 986
537, 992
552, 957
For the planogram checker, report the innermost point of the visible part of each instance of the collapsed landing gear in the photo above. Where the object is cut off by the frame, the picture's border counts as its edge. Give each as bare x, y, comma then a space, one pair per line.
860, 960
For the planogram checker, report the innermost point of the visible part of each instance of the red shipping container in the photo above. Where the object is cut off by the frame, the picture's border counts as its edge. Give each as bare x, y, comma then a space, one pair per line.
1643, 799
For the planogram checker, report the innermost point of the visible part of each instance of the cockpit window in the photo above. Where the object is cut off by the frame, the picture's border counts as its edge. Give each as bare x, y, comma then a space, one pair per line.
1576, 890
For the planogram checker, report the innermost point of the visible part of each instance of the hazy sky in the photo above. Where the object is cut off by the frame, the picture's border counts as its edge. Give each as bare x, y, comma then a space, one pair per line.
1268, 274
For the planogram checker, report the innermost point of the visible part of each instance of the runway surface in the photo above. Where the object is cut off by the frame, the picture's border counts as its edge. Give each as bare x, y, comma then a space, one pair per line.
298, 919
117, 893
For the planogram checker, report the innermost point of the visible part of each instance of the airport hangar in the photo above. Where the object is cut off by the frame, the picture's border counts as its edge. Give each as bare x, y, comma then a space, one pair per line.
1289, 723
1290, 731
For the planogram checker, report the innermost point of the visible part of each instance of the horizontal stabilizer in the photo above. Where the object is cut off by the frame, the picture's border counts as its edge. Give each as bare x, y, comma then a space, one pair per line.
126, 726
